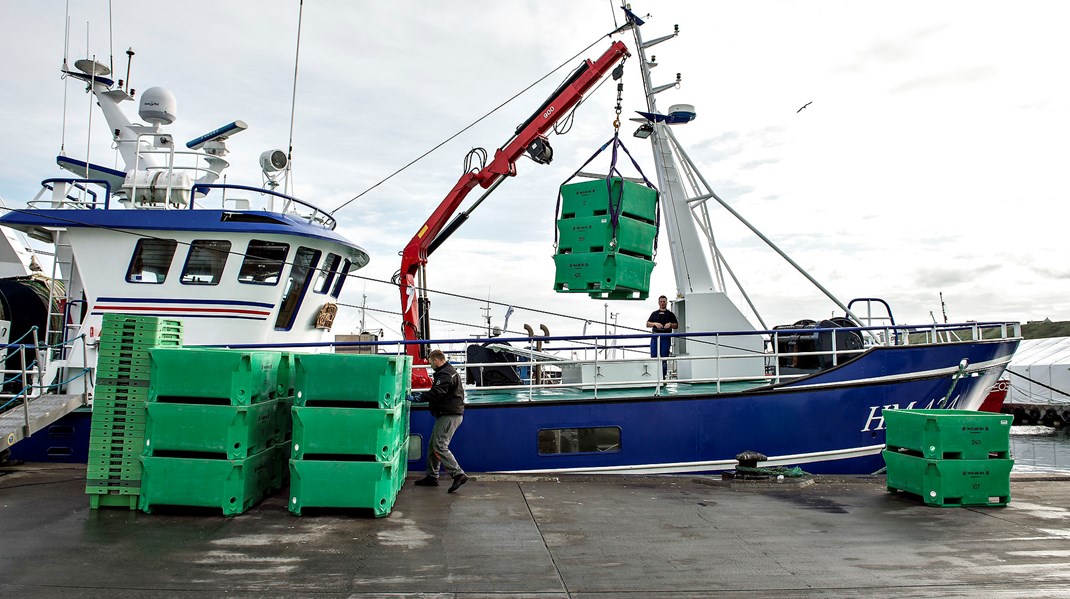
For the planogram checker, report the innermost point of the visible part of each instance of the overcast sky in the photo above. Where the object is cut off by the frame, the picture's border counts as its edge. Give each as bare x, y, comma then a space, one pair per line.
930, 158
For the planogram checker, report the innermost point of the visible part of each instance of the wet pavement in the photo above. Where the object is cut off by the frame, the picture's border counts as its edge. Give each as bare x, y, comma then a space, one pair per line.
512, 537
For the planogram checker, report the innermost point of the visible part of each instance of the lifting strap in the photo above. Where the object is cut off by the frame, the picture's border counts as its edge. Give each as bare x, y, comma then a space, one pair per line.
615, 207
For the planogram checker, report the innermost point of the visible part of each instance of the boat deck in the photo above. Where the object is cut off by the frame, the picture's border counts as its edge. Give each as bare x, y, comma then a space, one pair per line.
651, 537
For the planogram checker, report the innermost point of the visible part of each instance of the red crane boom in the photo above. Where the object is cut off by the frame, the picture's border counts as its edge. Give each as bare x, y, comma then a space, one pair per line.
530, 137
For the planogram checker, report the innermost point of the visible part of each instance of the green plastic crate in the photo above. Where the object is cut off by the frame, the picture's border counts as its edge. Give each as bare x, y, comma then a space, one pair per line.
592, 198
284, 421
231, 485
594, 234
596, 273
234, 431
284, 383
367, 485
351, 378
348, 431
949, 434
231, 376
950, 483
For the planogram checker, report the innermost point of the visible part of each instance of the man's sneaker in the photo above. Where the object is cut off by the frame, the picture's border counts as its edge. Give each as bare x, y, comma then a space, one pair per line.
427, 481
458, 480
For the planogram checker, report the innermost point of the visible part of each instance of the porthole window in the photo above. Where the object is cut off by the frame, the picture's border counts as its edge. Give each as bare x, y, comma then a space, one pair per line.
598, 439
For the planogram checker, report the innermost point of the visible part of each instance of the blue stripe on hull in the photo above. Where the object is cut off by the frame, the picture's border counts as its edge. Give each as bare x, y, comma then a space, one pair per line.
825, 423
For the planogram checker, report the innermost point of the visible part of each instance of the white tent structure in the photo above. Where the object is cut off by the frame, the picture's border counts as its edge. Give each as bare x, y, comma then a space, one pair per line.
1039, 372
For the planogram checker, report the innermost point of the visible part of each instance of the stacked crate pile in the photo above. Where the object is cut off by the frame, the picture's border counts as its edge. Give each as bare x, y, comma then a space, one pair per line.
114, 474
949, 457
215, 434
350, 431
596, 256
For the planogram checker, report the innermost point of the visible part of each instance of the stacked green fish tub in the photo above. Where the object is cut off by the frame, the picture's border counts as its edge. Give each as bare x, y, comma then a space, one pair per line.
117, 430
596, 256
350, 431
949, 457
216, 433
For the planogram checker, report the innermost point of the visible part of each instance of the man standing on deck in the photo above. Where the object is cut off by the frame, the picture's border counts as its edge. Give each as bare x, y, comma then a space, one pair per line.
662, 321
445, 399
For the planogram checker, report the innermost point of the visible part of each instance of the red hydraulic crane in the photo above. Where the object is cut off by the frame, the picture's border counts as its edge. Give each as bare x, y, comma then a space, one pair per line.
530, 137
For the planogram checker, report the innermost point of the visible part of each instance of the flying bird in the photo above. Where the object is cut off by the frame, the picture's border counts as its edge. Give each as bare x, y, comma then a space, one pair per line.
804, 106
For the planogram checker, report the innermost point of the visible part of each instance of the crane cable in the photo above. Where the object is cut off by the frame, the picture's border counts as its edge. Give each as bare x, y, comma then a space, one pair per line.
470, 125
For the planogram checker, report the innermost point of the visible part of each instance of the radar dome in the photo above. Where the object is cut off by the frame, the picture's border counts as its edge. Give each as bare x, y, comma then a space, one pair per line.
158, 106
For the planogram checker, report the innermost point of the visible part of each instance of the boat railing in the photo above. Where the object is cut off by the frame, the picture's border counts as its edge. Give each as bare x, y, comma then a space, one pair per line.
582, 362
174, 186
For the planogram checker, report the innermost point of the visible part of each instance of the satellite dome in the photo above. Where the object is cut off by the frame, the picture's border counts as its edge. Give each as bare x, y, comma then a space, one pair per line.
158, 106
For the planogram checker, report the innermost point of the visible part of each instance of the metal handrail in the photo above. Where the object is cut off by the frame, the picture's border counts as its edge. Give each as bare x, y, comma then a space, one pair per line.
1001, 330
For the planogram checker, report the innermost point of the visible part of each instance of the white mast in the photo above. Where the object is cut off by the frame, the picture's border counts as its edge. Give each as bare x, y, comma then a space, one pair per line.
701, 304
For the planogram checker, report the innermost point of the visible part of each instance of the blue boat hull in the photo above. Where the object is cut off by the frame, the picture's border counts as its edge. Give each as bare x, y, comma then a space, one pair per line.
827, 423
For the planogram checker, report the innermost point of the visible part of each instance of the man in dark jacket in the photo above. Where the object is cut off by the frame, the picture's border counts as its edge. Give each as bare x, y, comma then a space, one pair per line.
445, 398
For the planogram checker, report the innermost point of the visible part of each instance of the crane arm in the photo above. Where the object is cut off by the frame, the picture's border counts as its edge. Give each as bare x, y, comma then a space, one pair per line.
529, 137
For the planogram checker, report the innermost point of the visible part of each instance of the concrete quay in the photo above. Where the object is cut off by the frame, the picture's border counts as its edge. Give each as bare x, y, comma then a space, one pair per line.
542, 538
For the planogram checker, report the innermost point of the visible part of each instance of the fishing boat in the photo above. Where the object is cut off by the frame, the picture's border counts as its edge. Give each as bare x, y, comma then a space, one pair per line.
250, 267
163, 237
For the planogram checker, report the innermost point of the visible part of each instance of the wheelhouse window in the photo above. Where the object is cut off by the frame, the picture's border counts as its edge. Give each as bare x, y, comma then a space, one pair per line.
205, 263
305, 261
327, 273
598, 439
151, 261
342, 276
263, 262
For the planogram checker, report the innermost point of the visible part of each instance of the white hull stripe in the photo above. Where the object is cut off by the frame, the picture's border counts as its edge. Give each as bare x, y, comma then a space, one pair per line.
895, 378
712, 465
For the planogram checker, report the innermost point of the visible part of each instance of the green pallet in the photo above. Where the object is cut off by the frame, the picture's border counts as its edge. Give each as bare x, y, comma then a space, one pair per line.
348, 431
112, 441
103, 361
234, 376
118, 412
353, 378
108, 425
230, 485
130, 487
365, 485
124, 353
117, 319
113, 475
950, 483
125, 389
234, 431
595, 234
116, 500
949, 434
592, 198
139, 339
603, 273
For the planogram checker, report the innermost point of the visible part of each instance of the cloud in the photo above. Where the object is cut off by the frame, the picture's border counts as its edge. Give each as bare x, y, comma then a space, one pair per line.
947, 79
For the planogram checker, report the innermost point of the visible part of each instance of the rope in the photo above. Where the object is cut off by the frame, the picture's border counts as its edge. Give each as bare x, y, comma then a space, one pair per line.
793, 472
